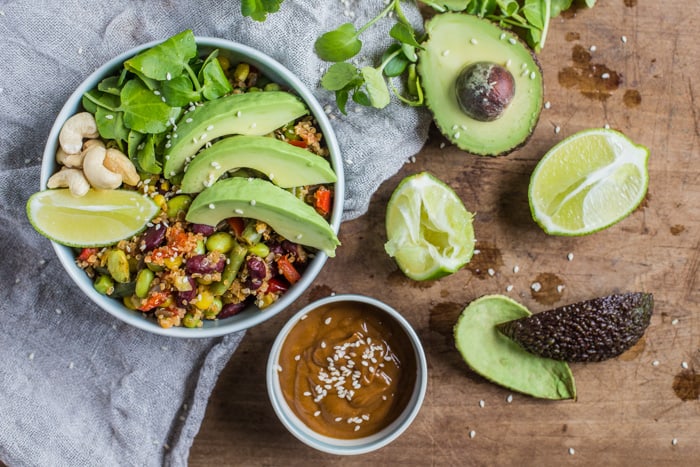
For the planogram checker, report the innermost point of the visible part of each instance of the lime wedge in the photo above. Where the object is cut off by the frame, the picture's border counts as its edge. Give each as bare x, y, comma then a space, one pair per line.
430, 232
587, 182
100, 218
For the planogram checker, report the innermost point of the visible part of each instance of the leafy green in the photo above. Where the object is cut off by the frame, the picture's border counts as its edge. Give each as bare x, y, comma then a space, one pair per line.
137, 106
339, 44
258, 9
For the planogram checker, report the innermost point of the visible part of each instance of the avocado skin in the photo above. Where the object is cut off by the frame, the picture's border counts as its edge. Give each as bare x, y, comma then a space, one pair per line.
588, 331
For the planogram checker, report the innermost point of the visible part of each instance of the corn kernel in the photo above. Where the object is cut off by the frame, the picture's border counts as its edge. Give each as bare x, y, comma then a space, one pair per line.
204, 299
173, 263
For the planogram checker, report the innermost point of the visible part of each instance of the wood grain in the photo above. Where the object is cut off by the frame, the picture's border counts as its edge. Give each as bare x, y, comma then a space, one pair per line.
628, 410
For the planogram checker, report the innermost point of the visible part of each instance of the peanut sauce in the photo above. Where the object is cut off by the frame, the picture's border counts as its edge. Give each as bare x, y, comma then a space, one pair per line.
347, 370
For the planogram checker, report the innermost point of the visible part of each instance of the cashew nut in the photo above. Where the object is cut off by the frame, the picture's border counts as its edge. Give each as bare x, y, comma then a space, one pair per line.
69, 160
118, 162
79, 126
71, 178
98, 175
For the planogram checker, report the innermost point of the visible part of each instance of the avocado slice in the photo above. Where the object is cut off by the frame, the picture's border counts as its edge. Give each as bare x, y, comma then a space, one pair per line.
259, 199
285, 165
253, 113
589, 331
458, 41
502, 361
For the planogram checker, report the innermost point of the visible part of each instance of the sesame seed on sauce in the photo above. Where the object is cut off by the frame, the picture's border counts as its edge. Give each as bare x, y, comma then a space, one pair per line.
328, 320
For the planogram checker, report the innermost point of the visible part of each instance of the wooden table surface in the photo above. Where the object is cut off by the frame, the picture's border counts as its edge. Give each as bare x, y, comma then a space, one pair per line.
641, 408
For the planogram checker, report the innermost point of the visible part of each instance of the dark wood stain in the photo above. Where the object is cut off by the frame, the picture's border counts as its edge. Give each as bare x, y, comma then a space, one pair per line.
632, 98
630, 3
677, 229
547, 294
443, 317
572, 36
318, 292
489, 257
686, 385
594, 80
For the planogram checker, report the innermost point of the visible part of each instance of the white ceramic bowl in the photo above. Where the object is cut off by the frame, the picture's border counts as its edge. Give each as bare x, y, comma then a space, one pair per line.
252, 315
347, 446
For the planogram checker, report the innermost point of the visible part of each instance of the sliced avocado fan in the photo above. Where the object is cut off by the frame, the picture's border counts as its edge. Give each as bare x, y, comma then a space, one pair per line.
259, 199
502, 361
483, 85
588, 331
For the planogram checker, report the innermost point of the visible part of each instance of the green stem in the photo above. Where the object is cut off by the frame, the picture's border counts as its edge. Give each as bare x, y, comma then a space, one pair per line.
381, 15
547, 16
389, 58
400, 15
193, 77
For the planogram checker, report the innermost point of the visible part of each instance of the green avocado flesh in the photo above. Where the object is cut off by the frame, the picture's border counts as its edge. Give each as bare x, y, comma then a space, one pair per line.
259, 199
254, 113
502, 361
285, 165
457, 40
589, 331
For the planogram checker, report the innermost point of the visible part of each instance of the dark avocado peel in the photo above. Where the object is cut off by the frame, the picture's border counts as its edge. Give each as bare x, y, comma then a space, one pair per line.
588, 331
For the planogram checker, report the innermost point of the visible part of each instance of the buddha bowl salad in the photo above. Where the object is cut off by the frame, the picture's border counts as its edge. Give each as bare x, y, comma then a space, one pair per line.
190, 186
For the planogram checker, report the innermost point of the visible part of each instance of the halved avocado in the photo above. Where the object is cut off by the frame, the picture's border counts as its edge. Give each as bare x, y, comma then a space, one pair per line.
465, 65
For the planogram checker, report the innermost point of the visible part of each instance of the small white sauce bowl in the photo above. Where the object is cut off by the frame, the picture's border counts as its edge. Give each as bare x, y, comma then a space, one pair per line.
347, 446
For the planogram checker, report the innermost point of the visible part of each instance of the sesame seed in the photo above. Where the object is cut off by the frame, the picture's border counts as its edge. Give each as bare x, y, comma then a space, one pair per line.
303, 317
560, 288
606, 126
238, 211
156, 92
442, 145
323, 344
572, 451
357, 427
253, 125
509, 399
473, 41
328, 320
533, 75
623, 39
655, 363
210, 127
684, 365
482, 403
512, 41
317, 413
570, 256
674, 441
557, 129
212, 206
307, 393
445, 53
168, 76
509, 62
547, 105
70, 366
80, 51
605, 76
472, 434
253, 202
58, 311
491, 272
674, 321
239, 113
593, 48
457, 134
31, 356
536, 286
298, 237
297, 357
509, 288
188, 120
279, 368
516, 269
503, 35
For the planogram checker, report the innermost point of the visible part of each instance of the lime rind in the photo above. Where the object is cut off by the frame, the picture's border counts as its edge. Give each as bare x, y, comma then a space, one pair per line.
100, 218
430, 232
588, 191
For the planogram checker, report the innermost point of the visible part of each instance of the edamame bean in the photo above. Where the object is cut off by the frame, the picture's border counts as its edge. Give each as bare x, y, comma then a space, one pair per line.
178, 204
259, 249
104, 284
191, 321
272, 87
143, 282
118, 266
220, 241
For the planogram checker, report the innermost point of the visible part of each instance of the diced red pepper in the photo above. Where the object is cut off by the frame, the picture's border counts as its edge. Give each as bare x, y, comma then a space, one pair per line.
322, 200
288, 270
155, 299
300, 143
86, 253
236, 224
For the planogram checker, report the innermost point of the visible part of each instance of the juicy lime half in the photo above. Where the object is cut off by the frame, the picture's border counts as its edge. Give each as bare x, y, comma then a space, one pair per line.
430, 232
587, 182
100, 218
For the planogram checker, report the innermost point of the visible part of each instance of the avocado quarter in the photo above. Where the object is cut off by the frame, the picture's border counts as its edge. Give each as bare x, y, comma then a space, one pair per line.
457, 41
259, 199
284, 164
254, 113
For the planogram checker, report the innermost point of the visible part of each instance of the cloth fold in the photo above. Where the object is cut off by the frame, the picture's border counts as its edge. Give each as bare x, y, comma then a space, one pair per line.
77, 386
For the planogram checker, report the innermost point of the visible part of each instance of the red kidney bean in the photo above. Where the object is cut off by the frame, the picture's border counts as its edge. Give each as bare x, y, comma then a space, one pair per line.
257, 270
291, 248
203, 229
230, 309
153, 237
185, 297
203, 264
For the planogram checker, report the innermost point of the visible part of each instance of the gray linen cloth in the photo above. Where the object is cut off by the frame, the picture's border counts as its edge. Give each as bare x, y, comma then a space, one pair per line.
77, 386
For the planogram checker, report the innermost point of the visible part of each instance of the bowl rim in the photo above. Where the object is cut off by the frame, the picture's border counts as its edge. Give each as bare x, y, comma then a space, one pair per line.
343, 446
251, 316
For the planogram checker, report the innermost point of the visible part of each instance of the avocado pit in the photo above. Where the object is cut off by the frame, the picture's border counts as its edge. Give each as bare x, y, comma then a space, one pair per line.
484, 90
